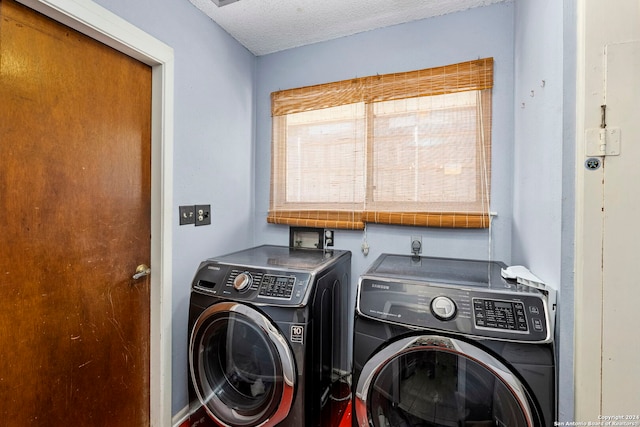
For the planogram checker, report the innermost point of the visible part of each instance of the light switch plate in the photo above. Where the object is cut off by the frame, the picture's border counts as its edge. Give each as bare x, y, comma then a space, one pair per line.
187, 214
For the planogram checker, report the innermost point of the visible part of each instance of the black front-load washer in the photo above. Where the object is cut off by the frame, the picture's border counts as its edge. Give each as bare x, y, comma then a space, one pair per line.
267, 342
450, 342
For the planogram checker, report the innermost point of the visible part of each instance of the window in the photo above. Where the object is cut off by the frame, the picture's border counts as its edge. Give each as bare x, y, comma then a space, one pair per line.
409, 148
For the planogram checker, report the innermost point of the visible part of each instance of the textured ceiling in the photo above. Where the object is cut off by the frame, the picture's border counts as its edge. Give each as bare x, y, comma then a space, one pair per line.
267, 26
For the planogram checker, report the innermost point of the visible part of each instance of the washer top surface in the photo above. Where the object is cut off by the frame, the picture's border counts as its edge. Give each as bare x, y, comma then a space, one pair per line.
281, 257
468, 273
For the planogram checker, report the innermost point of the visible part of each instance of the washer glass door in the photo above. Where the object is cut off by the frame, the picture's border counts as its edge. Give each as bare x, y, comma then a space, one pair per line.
438, 381
241, 366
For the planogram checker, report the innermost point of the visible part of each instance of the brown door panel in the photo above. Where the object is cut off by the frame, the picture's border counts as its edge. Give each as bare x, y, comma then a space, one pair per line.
75, 164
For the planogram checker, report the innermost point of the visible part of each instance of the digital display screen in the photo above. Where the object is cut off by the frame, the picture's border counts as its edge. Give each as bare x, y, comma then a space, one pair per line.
503, 305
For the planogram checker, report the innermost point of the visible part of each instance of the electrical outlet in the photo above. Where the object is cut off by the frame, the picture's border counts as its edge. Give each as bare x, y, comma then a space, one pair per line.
203, 214
187, 214
416, 245
328, 238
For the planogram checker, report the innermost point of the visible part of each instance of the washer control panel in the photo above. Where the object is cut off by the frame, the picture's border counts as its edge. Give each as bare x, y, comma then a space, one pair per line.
250, 284
277, 286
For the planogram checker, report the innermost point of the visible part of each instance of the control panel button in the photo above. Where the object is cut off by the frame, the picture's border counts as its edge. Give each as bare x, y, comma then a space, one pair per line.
443, 308
500, 314
277, 286
242, 281
537, 325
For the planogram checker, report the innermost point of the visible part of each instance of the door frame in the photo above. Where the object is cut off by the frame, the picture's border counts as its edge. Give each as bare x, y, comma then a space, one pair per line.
589, 194
102, 25
599, 26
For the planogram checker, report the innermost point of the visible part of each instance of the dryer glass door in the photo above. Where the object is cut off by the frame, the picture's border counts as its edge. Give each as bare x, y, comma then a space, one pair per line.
437, 381
241, 367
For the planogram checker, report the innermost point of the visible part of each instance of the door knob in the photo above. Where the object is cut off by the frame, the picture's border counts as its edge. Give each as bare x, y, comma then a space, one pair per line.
142, 270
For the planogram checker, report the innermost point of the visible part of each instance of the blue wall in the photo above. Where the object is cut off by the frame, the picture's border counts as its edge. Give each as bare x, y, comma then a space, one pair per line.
544, 147
214, 115
472, 34
538, 137
223, 139
532, 166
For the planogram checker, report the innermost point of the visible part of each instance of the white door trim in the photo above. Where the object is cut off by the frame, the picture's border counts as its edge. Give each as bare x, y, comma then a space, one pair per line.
102, 25
588, 230
600, 27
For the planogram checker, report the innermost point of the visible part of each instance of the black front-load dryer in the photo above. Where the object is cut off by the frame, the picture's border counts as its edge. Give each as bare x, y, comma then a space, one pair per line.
450, 342
267, 342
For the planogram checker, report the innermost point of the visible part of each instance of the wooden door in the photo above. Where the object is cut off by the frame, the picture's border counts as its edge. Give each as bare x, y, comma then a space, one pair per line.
75, 123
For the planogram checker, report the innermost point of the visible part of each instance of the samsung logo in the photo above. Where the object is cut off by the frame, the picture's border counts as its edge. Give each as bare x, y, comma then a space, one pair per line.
378, 286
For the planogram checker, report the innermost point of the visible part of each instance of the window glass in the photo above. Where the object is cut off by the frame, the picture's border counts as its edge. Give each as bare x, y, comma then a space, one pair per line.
324, 155
410, 148
425, 153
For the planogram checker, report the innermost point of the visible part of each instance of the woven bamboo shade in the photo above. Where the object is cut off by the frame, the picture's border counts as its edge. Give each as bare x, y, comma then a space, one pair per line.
409, 148
472, 75
318, 219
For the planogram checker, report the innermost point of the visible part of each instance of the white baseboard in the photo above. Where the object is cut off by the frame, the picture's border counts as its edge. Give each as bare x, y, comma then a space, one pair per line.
180, 417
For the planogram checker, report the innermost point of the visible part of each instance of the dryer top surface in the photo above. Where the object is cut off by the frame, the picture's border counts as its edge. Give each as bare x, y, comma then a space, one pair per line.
282, 257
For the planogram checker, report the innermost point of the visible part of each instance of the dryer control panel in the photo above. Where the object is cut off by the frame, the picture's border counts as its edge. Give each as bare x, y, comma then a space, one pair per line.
286, 288
517, 314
